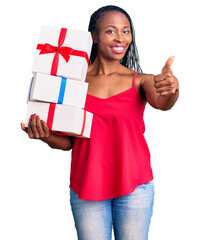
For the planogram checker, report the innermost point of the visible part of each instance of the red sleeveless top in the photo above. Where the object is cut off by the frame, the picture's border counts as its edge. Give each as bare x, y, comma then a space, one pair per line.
115, 159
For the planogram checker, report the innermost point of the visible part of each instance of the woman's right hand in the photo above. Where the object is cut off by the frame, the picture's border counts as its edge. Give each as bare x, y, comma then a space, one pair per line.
37, 129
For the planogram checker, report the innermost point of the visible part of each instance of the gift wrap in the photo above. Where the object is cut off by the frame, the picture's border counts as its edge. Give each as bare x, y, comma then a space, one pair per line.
66, 119
48, 88
63, 52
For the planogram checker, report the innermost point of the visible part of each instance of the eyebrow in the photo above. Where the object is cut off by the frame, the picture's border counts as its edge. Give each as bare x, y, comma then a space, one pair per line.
115, 27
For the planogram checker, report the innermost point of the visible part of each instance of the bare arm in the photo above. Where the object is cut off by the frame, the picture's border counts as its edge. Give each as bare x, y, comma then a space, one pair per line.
161, 91
38, 129
60, 142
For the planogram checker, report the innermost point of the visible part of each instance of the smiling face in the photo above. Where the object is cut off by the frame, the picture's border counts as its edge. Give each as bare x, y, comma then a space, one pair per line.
114, 35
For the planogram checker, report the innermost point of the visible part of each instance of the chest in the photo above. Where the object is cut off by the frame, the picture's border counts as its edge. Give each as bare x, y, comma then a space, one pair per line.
108, 87
125, 105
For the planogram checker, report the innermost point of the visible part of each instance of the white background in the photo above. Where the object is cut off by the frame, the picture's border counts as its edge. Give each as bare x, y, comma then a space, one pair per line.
34, 178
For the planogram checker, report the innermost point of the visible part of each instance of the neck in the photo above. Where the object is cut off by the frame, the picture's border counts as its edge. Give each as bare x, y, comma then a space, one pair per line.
104, 66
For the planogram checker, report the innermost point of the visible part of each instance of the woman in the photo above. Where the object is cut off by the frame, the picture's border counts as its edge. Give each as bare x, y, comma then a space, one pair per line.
111, 181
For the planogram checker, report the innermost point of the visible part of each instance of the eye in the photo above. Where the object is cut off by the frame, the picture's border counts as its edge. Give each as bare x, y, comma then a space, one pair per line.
110, 31
126, 31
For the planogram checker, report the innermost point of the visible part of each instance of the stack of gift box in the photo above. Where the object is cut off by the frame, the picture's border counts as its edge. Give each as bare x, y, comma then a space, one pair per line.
58, 90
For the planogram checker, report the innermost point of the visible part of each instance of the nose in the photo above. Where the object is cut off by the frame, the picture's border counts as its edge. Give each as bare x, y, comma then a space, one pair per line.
119, 37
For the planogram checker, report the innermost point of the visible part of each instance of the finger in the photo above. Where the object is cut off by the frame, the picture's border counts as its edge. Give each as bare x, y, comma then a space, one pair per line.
164, 94
162, 77
45, 129
167, 93
34, 127
39, 127
167, 71
25, 129
159, 78
164, 89
168, 63
30, 132
166, 82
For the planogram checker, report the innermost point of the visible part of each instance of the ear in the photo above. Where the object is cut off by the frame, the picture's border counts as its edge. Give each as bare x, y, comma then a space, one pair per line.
94, 37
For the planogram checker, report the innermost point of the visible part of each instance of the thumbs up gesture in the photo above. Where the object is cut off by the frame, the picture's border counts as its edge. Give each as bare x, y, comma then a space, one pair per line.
166, 83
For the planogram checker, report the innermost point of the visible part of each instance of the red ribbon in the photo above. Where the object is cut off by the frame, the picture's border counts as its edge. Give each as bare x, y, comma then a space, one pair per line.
50, 116
83, 124
50, 119
64, 51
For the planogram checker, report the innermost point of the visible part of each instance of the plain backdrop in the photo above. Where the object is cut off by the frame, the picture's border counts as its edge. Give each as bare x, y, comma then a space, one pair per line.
34, 179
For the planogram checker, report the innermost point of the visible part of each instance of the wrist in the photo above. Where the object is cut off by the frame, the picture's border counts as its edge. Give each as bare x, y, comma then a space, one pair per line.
50, 139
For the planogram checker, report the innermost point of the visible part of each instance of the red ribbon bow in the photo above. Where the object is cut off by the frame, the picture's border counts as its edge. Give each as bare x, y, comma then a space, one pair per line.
64, 51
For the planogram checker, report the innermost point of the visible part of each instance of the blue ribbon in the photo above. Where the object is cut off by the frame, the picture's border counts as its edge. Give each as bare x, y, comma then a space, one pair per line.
30, 88
62, 90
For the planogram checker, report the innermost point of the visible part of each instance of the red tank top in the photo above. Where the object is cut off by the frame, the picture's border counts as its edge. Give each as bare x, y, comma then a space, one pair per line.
115, 159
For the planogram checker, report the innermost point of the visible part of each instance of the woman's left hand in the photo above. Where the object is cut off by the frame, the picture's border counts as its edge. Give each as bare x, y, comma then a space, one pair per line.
166, 83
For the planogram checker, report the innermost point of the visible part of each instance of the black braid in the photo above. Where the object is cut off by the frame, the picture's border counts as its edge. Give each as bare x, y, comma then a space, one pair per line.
131, 57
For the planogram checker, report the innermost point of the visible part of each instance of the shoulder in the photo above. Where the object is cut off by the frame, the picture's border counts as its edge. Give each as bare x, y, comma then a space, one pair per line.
146, 80
138, 81
142, 78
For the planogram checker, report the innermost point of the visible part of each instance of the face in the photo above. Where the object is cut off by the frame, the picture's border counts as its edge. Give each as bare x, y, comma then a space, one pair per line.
114, 35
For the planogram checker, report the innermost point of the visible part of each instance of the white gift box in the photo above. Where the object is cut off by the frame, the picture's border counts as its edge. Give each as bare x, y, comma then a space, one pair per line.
48, 88
63, 52
68, 119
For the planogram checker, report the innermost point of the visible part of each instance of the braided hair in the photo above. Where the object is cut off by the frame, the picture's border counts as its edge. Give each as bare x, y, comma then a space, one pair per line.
131, 57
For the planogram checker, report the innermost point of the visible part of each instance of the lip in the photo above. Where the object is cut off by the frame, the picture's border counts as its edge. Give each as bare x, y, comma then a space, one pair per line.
118, 45
118, 48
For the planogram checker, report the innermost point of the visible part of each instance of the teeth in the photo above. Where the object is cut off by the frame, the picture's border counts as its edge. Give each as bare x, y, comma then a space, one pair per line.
118, 48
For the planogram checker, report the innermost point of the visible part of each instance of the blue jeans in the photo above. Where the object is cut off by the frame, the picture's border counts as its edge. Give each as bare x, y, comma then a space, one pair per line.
129, 215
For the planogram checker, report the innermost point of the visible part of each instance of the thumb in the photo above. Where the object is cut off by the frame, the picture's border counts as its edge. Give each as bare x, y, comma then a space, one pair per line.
23, 127
168, 63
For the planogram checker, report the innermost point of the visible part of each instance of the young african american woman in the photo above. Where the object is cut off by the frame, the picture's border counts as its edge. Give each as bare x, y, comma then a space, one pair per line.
111, 180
